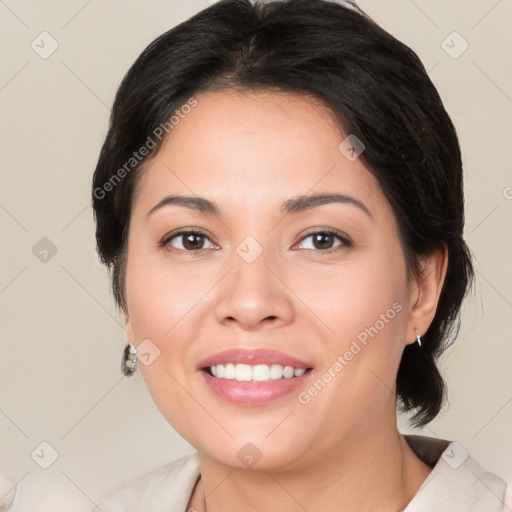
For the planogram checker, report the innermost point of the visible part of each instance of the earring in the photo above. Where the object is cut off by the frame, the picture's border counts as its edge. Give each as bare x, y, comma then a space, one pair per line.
418, 339
129, 360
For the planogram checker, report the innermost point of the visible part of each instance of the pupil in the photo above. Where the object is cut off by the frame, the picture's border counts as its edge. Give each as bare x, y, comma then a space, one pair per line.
321, 237
190, 245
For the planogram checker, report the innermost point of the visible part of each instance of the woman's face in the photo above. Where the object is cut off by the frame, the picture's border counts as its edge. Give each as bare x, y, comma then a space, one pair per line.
257, 277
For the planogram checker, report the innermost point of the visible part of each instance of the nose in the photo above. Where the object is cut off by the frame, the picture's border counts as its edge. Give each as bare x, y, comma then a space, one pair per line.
254, 296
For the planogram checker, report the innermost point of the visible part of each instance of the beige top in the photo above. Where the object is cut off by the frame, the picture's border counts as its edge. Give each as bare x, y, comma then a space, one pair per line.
456, 483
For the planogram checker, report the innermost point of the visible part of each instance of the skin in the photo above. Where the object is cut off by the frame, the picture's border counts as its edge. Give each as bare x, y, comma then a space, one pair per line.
248, 152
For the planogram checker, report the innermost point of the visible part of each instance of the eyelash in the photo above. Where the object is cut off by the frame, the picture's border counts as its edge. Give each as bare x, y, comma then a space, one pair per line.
345, 241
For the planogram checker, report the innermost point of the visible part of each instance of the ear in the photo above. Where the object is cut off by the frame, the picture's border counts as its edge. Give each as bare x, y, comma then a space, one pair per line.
425, 290
128, 330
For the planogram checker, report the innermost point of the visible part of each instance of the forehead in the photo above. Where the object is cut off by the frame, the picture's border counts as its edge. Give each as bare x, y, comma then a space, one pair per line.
255, 147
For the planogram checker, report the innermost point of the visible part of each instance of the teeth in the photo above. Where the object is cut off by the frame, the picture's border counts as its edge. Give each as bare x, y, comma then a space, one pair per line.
257, 373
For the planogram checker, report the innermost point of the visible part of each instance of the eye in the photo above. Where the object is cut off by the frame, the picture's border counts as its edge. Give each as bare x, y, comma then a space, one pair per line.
323, 241
189, 241
194, 240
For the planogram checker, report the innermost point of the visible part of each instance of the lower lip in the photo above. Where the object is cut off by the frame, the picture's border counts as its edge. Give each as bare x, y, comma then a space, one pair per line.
254, 393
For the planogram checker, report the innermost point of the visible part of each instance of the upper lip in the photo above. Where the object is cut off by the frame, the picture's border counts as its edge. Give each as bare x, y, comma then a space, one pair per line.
252, 357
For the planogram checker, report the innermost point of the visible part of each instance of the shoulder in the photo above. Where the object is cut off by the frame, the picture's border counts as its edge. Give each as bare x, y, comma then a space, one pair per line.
457, 481
7, 494
163, 490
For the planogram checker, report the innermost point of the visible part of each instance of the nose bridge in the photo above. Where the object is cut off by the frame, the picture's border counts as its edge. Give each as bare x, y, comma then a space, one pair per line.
251, 264
251, 293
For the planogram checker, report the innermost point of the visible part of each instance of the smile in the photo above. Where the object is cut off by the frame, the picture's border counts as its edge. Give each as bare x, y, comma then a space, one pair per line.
255, 373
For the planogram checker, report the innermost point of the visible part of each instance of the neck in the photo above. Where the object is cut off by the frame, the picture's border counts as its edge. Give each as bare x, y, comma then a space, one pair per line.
370, 472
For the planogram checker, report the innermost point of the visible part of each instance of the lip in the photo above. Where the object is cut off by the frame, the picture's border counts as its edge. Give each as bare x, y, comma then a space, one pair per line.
255, 393
252, 357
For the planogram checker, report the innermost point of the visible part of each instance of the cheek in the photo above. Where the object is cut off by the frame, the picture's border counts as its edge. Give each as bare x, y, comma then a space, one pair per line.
161, 309
351, 296
159, 295
165, 306
359, 306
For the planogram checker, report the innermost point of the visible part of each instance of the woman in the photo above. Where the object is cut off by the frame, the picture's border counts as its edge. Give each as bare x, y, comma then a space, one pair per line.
280, 200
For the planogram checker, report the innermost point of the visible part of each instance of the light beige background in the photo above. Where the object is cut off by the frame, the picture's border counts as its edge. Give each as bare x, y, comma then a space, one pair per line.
61, 339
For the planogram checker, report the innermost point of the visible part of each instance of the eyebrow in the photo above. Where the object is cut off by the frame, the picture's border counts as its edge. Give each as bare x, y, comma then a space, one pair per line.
294, 205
